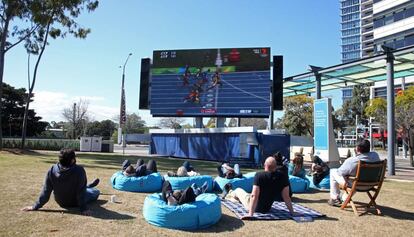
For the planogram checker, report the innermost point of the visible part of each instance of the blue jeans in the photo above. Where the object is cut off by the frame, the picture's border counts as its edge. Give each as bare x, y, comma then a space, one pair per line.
91, 195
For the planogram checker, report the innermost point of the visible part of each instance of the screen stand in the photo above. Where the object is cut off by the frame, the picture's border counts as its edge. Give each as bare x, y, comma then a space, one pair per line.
199, 122
220, 122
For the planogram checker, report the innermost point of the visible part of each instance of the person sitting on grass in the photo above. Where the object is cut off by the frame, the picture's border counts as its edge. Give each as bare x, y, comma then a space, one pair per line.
226, 171
348, 168
186, 170
179, 197
296, 167
68, 182
267, 185
319, 170
141, 169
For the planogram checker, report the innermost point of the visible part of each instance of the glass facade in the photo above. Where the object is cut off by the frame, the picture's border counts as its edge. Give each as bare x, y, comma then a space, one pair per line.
350, 30
394, 16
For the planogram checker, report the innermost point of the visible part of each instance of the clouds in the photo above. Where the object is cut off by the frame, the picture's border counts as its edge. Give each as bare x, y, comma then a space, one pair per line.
49, 105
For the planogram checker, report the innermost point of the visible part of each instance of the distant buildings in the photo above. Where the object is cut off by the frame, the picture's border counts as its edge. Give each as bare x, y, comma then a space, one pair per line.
368, 24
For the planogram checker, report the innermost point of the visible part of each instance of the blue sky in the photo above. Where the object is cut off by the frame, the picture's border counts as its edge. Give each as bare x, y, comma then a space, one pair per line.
304, 32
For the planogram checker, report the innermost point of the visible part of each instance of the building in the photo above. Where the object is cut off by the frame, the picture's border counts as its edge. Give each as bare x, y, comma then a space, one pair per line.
366, 25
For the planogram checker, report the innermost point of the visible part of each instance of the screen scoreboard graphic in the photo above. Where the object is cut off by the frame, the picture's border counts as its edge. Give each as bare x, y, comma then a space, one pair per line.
226, 82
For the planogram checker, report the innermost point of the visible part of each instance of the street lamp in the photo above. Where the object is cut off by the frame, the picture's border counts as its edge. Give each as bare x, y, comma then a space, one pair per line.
122, 115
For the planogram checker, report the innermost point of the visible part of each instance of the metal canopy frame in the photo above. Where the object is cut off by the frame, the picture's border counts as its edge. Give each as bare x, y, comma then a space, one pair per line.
387, 66
366, 70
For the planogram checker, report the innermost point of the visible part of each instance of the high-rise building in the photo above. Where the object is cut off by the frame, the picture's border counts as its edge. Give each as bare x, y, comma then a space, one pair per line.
368, 24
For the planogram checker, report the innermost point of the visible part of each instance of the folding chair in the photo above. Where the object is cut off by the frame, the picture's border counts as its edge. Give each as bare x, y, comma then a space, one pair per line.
369, 178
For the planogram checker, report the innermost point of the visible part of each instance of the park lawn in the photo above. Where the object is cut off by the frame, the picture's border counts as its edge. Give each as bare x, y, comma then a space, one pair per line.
22, 175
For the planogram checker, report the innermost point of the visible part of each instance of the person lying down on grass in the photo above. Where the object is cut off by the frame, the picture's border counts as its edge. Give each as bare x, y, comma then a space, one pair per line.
179, 197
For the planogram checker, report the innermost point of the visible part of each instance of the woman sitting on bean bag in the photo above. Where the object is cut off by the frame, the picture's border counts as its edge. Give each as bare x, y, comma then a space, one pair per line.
141, 169
226, 171
296, 167
319, 170
179, 197
186, 170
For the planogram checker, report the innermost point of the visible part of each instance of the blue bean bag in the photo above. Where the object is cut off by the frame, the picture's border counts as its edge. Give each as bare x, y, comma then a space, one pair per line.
202, 213
323, 185
181, 183
245, 183
145, 184
298, 185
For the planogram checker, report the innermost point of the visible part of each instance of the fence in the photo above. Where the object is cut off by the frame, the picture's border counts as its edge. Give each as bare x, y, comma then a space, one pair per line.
42, 144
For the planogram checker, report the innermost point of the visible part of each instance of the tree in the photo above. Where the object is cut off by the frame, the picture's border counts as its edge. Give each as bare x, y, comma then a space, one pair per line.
134, 124
171, 122
259, 123
12, 113
356, 106
77, 118
404, 116
104, 129
13, 31
55, 19
377, 108
298, 116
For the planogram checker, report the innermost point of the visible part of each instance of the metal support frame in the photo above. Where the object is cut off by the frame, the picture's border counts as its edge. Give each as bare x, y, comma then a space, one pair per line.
390, 111
199, 122
318, 77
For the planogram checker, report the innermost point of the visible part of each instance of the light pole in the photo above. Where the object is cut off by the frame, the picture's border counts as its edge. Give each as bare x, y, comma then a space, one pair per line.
122, 114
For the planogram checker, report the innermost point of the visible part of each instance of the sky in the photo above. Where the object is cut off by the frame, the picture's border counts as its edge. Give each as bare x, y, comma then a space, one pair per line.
304, 32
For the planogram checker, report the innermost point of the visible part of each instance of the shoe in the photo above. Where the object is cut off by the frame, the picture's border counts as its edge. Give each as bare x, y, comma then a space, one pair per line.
204, 187
196, 189
335, 202
125, 164
226, 190
93, 184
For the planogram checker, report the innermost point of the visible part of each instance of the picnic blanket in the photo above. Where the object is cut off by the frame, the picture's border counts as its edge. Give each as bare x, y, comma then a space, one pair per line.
279, 211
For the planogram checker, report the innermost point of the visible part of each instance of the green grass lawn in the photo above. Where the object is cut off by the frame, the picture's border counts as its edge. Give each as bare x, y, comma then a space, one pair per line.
22, 176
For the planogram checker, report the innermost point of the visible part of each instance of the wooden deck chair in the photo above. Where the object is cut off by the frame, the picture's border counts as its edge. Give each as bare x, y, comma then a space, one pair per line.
369, 178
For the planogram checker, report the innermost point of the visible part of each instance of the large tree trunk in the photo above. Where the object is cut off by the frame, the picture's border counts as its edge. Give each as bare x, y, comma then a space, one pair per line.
2, 54
26, 109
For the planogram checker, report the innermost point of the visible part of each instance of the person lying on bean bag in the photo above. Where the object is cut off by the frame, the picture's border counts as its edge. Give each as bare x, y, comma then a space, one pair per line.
226, 171
178, 197
141, 169
186, 170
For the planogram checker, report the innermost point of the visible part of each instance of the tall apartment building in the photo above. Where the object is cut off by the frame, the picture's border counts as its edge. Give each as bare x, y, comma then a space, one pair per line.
368, 24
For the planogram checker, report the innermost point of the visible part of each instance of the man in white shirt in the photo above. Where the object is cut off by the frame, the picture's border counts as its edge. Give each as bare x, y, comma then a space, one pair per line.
348, 168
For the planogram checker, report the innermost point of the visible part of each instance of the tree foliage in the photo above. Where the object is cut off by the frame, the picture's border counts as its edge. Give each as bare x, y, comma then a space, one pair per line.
77, 118
171, 122
134, 124
259, 123
356, 105
298, 116
104, 129
53, 19
12, 113
404, 116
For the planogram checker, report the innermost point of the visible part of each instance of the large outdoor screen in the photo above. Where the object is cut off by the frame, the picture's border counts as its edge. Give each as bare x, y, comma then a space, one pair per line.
227, 82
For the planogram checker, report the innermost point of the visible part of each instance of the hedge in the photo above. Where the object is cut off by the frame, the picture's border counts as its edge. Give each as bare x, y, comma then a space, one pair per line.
42, 144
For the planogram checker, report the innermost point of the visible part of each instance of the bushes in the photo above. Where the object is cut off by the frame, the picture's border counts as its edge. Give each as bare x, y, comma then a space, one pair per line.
42, 144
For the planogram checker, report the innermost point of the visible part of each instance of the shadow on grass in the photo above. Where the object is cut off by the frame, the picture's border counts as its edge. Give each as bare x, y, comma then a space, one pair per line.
97, 212
301, 200
386, 212
16, 151
225, 224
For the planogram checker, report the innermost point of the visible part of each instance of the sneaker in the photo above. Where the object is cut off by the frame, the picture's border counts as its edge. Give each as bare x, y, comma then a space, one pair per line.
125, 164
226, 190
335, 202
93, 184
196, 189
204, 187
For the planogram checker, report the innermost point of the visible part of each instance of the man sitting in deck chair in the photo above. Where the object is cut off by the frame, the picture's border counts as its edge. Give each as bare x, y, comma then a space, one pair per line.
348, 168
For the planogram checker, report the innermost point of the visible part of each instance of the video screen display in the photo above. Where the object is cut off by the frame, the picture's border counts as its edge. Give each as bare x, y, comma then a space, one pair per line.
226, 82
